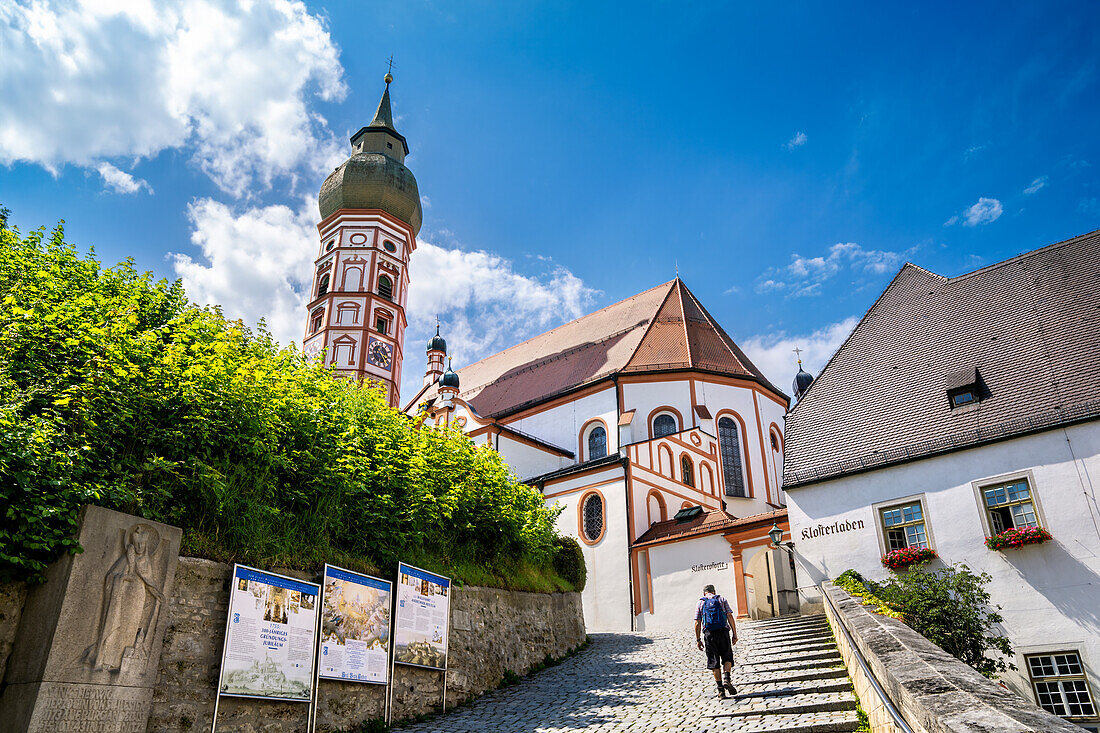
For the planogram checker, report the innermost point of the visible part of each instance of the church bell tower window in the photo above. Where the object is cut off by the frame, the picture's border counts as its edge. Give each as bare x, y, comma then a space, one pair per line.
322, 286
385, 287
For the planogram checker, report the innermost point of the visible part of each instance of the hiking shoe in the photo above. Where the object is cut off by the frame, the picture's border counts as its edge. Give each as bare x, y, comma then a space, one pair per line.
727, 686
721, 693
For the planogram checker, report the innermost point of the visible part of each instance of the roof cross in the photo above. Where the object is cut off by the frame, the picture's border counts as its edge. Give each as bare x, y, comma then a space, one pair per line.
798, 353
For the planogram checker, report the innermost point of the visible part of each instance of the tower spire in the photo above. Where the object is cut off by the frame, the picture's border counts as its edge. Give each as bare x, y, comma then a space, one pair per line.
383, 116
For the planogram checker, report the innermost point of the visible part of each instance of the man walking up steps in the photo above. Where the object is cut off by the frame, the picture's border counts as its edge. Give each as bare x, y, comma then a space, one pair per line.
714, 625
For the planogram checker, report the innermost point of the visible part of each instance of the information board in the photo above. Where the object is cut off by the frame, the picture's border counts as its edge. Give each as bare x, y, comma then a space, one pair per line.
423, 617
269, 640
355, 627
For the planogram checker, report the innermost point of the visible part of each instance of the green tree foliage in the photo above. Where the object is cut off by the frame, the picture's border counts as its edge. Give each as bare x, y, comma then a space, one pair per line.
950, 607
115, 390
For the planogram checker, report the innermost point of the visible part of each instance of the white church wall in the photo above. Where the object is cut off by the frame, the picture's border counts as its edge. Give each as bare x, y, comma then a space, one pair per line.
645, 397
525, 459
561, 424
1050, 593
678, 572
722, 399
606, 597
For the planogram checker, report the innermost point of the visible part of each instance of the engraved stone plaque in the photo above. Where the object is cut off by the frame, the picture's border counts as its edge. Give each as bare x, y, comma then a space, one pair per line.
86, 653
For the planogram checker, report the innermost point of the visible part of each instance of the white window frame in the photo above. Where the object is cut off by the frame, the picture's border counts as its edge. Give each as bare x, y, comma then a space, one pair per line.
588, 428
912, 499
983, 512
1054, 650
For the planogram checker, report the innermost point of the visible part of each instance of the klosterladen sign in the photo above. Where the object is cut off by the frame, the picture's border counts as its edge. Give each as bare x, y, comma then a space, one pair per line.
834, 528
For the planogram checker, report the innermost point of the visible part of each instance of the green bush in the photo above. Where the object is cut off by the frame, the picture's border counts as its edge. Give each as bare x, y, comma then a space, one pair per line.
115, 390
569, 562
950, 607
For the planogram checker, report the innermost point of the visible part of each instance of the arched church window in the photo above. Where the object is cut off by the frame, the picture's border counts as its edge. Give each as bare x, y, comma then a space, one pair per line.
687, 470
592, 517
316, 320
385, 287
729, 444
664, 424
597, 443
322, 286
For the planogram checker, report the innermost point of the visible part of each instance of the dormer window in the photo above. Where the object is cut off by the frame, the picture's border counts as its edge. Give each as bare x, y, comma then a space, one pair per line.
965, 397
965, 387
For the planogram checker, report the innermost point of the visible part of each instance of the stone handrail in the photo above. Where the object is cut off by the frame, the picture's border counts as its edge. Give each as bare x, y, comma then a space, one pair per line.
934, 691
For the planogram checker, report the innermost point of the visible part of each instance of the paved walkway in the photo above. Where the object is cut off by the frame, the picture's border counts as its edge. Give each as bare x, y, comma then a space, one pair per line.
786, 676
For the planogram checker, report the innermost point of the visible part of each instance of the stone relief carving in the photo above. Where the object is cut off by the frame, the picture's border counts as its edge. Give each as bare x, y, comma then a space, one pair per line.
132, 599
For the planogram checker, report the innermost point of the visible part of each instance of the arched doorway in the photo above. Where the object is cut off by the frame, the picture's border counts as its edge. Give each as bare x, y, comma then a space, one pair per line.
772, 586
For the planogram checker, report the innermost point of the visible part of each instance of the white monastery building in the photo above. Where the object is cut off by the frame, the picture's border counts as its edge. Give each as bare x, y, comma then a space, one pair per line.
959, 409
644, 420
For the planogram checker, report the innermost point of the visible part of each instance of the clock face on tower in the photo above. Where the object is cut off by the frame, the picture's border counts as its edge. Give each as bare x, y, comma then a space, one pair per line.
379, 353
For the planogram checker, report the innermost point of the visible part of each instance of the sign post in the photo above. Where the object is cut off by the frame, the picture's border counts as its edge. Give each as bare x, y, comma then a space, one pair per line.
421, 622
354, 644
270, 635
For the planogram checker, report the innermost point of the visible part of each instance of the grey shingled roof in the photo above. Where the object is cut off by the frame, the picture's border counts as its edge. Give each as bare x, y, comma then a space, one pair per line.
1029, 325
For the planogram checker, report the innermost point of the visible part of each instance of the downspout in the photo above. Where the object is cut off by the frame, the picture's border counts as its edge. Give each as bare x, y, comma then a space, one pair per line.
629, 509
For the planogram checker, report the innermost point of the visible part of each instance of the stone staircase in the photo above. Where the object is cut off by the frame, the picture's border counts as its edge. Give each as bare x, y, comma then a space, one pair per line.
789, 677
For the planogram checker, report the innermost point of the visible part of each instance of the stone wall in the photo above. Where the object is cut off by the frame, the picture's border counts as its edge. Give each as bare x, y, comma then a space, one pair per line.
491, 631
933, 691
12, 596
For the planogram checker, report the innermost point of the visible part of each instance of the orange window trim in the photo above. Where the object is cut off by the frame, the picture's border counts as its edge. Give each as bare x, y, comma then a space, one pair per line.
746, 466
582, 444
580, 517
663, 508
665, 408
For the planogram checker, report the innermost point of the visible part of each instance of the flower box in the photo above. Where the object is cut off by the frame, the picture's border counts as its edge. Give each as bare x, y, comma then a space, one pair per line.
1017, 538
903, 558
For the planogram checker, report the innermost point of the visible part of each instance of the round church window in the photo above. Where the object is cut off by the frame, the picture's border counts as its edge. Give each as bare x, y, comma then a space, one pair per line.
592, 517
358, 238
390, 246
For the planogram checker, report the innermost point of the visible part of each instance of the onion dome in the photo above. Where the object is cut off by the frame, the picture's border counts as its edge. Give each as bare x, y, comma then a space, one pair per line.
375, 176
449, 378
802, 381
437, 342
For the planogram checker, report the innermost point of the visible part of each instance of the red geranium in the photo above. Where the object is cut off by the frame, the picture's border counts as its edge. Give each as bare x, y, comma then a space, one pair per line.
906, 556
1016, 538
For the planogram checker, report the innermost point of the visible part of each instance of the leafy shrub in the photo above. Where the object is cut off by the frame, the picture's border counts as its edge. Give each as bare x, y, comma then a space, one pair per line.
859, 587
1017, 538
569, 562
115, 390
949, 607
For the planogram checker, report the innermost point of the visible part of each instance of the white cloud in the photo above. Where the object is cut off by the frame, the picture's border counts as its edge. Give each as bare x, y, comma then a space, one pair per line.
985, 211
797, 141
231, 82
256, 264
805, 275
952, 221
774, 353
483, 302
121, 181
1037, 185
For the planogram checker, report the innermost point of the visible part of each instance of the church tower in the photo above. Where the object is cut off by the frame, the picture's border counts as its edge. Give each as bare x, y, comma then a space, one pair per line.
370, 216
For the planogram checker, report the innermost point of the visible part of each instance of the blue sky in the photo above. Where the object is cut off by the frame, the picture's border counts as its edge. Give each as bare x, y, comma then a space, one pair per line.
787, 159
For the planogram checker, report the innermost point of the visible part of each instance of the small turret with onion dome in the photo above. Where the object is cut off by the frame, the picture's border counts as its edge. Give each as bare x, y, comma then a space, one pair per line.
448, 384
802, 380
437, 351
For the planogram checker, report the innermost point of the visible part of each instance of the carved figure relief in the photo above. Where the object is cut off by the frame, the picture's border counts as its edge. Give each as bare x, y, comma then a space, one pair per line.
132, 598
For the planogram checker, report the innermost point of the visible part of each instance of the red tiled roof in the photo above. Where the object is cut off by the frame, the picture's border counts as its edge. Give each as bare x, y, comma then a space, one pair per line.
1030, 326
660, 329
714, 520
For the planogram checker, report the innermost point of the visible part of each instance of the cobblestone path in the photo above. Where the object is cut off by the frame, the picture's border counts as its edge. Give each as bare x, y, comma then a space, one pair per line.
788, 674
